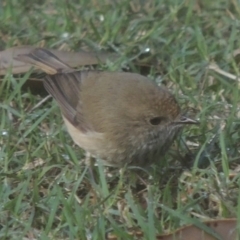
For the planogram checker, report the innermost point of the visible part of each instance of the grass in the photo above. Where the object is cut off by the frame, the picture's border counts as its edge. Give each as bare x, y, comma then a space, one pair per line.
45, 189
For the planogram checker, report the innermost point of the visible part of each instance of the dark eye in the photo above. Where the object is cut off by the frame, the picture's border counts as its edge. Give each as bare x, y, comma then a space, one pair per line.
157, 120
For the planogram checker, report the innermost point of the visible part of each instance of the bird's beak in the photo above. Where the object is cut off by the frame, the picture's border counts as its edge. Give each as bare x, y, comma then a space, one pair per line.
186, 120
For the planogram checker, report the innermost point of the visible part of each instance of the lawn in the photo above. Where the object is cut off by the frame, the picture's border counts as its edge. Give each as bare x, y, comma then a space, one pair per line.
192, 47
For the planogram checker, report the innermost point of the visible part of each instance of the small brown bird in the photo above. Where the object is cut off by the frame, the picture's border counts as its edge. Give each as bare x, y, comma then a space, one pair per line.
121, 118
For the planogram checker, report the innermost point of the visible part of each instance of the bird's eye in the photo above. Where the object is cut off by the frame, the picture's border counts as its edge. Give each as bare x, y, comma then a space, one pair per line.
157, 120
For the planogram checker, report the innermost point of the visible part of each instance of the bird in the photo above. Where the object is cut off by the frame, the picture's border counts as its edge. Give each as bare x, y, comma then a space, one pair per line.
121, 118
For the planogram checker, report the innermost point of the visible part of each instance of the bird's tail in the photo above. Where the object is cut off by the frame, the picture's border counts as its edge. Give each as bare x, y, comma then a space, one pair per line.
44, 60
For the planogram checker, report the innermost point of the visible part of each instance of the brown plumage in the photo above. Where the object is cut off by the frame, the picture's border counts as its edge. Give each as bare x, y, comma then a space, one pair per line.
121, 118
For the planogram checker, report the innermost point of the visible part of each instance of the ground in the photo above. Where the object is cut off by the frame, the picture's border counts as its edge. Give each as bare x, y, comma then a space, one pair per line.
46, 191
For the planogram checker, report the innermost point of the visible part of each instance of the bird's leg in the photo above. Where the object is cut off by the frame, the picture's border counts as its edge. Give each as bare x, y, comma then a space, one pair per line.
89, 161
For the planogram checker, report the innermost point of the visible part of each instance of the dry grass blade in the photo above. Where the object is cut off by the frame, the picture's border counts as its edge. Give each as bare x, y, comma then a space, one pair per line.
215, 67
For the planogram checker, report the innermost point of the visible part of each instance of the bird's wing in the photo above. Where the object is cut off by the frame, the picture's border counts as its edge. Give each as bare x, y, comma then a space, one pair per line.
66, 89
63, 83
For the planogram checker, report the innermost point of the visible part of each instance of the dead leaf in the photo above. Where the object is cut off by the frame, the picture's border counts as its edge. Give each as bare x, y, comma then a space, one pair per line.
225, 228
73, 59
